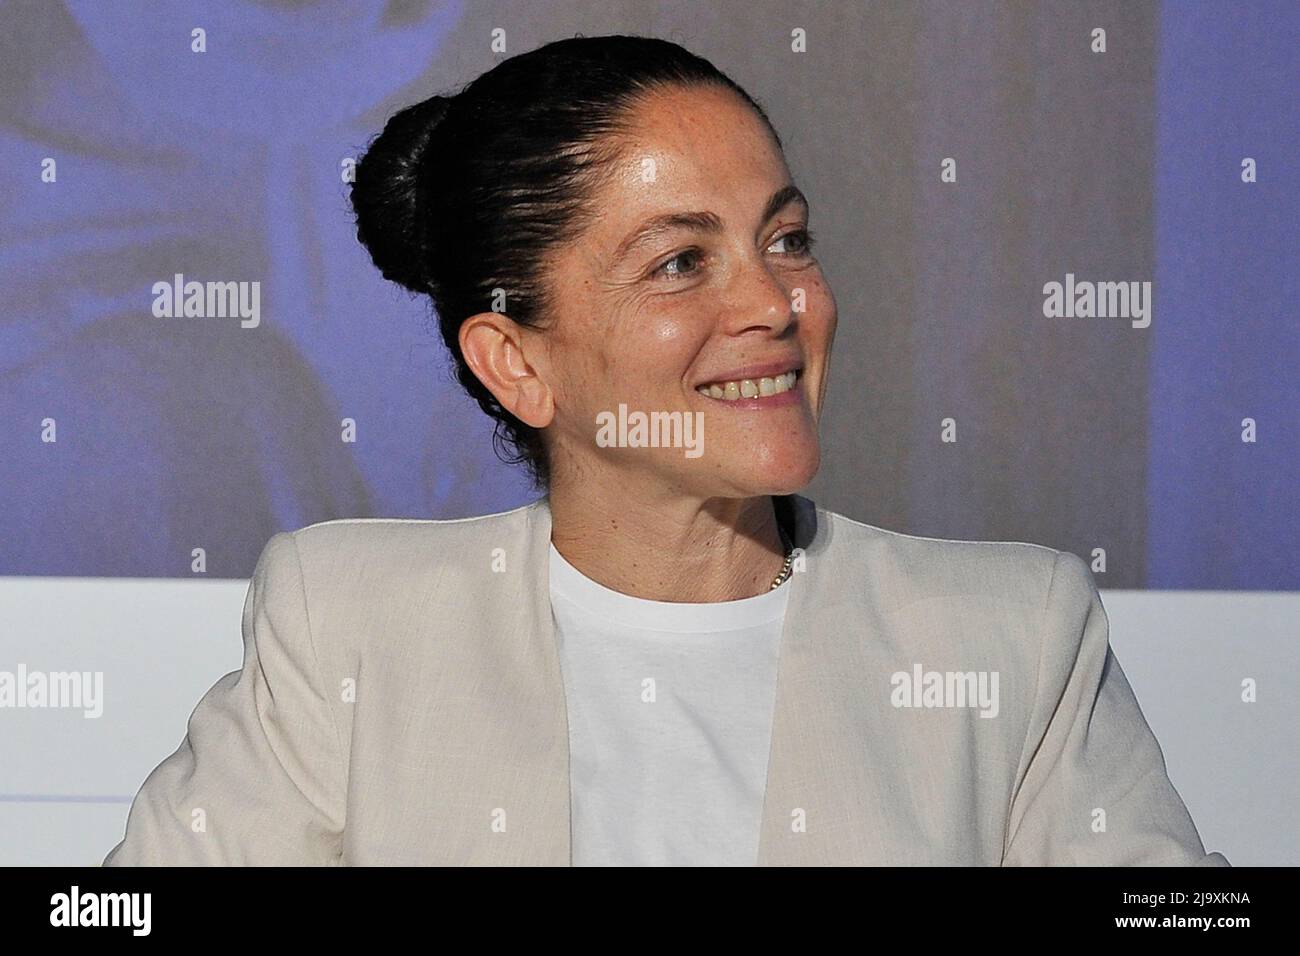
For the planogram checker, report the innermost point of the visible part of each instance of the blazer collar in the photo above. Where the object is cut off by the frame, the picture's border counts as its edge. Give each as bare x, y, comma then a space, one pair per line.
799, 663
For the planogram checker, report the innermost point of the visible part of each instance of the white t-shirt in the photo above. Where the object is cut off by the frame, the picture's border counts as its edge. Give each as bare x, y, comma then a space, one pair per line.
670, 722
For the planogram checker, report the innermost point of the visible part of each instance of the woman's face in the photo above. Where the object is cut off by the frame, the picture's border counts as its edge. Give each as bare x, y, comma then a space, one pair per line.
695, 273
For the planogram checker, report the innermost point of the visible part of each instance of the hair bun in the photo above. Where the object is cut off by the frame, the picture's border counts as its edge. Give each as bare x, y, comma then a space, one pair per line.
388, 193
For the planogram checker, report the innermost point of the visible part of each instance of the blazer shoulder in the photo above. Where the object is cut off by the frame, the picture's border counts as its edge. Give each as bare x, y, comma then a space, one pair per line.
340, 576
926, 567
354, 564
398, 537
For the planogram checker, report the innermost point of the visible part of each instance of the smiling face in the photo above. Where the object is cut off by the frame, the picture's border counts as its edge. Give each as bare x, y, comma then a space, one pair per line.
692, 291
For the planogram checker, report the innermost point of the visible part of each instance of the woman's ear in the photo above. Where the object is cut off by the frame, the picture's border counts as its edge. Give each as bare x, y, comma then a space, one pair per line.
494, 348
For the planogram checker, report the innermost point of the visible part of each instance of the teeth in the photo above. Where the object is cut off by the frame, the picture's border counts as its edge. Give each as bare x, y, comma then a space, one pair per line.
749, 388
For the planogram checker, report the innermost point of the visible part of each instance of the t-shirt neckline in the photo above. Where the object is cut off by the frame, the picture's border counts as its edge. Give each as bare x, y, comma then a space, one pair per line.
571, 585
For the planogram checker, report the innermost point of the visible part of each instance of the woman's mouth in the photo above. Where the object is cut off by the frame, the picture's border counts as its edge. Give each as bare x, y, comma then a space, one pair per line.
775, 389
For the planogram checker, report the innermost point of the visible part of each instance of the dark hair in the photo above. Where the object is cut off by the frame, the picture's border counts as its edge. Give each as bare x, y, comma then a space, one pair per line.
461, 196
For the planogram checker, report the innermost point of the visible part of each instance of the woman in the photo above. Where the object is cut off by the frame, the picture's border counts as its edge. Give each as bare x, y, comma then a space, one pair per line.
671, 657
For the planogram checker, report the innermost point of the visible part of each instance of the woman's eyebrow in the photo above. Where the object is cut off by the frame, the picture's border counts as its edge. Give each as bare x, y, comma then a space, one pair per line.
702, 221
782, 198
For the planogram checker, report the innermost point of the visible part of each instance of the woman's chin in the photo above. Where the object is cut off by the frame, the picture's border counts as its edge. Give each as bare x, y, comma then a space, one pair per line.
790, 482
777, 474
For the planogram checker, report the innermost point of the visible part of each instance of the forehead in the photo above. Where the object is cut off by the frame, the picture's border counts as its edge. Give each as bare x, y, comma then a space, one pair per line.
696, 130
689, 149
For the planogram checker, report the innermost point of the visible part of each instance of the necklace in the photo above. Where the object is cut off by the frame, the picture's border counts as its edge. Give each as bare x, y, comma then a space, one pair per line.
789, 560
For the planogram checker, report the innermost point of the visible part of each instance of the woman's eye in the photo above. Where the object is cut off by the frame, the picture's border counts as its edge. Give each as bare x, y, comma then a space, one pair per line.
685, 263
802, 239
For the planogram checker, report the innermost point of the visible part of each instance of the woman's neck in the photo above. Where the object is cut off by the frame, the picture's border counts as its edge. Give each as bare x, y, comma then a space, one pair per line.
669, 549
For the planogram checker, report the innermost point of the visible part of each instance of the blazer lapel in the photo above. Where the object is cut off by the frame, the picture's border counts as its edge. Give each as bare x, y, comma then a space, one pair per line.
832, 796
811, 791
528, 777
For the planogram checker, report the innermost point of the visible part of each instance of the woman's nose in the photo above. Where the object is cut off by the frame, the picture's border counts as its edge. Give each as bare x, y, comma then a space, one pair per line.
758, 297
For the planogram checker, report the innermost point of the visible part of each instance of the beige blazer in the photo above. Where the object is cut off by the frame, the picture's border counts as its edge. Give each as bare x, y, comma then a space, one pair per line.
401, 702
